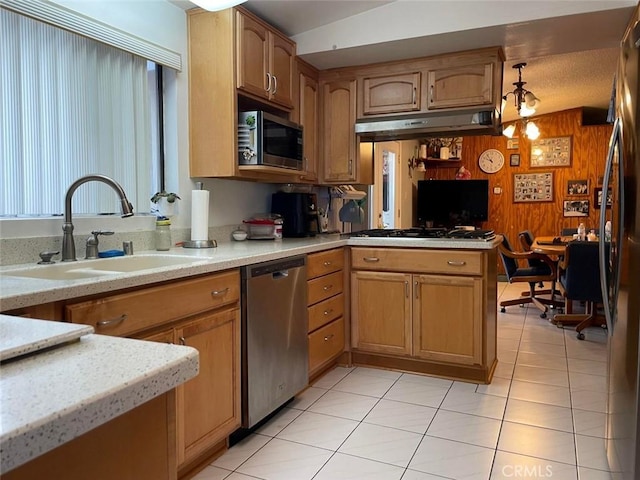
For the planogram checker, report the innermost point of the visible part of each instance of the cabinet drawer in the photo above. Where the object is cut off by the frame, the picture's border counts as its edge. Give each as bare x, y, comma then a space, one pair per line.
126, 313
414, 260
322, 313
326, 343
322, 263
321, 288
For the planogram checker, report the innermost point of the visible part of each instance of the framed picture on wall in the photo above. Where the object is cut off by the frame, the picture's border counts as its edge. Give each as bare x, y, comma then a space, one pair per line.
575, 208
533, 187
597, 198
577, 187
514, 160
513, 144
551, 152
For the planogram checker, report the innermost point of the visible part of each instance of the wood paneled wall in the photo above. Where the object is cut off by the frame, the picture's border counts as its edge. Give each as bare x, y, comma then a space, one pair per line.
588, 156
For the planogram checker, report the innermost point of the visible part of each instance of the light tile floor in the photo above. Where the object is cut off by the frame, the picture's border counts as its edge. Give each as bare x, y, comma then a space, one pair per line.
541, 417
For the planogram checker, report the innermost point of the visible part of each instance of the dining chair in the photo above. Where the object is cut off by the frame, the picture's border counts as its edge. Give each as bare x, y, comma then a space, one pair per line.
546, 271
579, 278
526, 241
567, 232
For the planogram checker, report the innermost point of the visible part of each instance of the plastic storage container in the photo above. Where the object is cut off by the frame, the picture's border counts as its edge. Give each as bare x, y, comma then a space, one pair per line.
163, 233
266, 226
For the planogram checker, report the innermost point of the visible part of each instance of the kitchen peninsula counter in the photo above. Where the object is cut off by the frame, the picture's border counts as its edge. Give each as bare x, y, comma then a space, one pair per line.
52, 396
18, 292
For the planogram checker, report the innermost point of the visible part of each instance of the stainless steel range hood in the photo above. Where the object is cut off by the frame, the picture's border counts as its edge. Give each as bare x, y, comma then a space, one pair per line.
437, 124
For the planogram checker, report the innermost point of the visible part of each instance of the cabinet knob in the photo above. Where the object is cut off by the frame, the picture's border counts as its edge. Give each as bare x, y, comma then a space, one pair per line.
327, 263
328, 312
183, 341
327, 287
328, 337
104, 323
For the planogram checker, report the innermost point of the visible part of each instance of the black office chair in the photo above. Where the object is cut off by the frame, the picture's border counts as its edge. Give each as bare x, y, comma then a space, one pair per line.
567, 232
526, 241
580, 280
531, 275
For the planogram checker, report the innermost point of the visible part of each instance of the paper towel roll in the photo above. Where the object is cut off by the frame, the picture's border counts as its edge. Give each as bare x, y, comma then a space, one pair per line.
199, 214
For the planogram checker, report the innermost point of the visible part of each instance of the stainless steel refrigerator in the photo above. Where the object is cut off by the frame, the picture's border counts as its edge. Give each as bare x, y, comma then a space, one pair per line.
621, 274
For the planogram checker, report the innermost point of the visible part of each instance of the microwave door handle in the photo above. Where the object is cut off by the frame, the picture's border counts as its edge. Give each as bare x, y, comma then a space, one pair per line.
604, 266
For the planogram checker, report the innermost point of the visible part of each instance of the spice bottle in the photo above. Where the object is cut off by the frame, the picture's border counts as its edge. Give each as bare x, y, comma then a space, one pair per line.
163, 233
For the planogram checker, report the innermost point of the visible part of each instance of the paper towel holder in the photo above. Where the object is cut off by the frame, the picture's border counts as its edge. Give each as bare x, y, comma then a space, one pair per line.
199, 243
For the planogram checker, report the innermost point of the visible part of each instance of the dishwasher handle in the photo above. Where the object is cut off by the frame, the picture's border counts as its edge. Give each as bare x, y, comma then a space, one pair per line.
280, 274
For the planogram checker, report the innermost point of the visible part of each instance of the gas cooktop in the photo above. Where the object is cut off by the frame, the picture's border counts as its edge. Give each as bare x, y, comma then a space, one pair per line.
417, 232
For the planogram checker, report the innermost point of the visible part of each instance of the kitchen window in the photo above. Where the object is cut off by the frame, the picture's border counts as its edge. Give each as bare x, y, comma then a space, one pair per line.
71, 106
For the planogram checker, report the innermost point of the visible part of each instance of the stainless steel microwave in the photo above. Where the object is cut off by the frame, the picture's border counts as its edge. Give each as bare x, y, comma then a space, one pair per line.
266, 139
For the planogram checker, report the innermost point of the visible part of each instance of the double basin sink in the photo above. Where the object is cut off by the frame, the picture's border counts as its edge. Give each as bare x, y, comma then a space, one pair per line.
103, 267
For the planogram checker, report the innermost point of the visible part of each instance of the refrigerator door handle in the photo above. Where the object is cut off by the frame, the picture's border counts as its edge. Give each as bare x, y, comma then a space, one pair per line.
605, 281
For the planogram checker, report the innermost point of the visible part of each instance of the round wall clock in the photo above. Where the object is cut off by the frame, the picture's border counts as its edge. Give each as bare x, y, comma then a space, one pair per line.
491, 160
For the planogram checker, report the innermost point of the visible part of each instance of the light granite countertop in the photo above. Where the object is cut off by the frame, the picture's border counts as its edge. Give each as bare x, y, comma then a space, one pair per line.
17, 292
50, 397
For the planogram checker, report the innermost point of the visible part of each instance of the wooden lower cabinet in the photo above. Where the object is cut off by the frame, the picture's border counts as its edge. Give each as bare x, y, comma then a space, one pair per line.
203, 313
209, 404
138, 445
381, 312
325, 302
447, 321
441, 322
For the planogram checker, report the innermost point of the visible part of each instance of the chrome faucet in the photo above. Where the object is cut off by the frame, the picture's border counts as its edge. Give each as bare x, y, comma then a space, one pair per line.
68, 245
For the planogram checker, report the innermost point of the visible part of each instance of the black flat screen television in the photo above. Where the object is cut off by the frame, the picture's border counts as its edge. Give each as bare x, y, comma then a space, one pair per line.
449, 203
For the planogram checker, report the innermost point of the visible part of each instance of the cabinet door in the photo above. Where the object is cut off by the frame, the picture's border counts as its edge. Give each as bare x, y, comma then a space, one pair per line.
309, 98
252, 58
338, 131
381, 312
209, 404
461, 86
391, 93
447, 318
282, 52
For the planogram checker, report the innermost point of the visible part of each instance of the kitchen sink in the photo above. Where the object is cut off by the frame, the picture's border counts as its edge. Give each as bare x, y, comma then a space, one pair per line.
102, 267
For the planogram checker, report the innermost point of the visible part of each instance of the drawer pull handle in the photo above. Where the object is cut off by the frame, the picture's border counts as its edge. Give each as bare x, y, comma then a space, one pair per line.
328, 337
328, 312
104, 323
371, 259
219, 293
327, 263
183, 341
415, 287
327, 287
453, 263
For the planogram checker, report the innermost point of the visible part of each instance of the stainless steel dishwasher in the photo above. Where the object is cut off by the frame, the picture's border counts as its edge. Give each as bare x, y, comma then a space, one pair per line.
275, 364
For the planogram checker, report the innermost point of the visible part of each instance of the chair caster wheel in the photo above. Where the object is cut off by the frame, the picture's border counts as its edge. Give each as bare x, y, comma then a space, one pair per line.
580, 336
543, 315
502, 310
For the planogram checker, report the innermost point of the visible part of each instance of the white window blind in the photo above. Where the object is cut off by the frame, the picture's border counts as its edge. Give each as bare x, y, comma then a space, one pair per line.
70, 106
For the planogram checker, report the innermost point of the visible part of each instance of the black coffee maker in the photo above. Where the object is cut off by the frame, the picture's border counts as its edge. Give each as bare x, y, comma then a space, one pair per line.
299, 213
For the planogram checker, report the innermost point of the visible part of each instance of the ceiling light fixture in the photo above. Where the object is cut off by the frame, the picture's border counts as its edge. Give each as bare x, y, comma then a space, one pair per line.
215, 5
526, 103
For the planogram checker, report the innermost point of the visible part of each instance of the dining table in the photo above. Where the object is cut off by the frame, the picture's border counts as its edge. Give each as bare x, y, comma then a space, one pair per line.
554, 246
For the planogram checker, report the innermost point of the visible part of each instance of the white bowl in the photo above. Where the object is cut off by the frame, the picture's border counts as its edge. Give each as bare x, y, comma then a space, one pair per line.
239, 235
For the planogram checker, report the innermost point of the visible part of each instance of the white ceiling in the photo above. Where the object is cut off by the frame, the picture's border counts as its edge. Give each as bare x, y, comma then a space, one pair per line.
570, 46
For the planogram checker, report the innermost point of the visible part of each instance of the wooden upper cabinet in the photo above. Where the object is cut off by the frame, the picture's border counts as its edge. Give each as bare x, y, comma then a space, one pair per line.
265, 61
338, 130
462, 86
391, 93
308, 110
